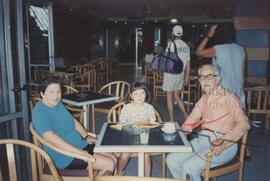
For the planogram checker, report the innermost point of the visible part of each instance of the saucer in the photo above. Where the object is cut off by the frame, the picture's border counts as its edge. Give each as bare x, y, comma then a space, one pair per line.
168, 131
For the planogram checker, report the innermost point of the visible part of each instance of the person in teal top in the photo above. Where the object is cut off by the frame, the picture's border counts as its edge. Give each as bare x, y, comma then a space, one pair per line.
57, 126
228, 56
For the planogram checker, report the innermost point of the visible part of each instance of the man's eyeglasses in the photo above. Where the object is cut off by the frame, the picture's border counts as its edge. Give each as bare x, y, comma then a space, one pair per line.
208, 77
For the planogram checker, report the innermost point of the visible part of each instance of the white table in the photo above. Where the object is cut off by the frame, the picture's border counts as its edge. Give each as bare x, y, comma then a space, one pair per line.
111, 140
85, 99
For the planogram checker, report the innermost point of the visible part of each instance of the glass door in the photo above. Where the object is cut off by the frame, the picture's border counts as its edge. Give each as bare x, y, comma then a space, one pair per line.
14, 120
138, 44
40, 41
13, 93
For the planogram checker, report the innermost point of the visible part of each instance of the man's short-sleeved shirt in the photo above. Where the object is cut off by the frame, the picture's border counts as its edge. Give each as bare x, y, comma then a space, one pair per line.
58, 120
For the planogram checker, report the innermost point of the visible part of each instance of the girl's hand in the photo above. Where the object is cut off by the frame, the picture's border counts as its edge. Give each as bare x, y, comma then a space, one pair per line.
212, 30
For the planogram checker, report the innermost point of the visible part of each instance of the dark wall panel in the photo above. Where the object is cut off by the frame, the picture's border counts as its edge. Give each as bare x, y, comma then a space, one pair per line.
252, 8
253, 38
257, 68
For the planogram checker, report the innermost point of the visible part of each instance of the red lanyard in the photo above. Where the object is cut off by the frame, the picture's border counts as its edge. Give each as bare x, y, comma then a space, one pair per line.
204, 122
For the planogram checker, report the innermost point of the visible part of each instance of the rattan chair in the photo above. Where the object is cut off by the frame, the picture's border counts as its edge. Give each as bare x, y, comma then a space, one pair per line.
86, 81
258, 102
36, 152
148, 73
190, 91
157, 85
117, 88
236, 164
66, 89
66, 174
133, 178
33, 101
103, 70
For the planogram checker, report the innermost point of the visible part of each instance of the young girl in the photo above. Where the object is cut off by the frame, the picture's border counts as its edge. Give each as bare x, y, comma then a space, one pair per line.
136, 110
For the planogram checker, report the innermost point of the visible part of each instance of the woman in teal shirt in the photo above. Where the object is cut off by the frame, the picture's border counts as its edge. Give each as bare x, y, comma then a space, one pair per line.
57, 126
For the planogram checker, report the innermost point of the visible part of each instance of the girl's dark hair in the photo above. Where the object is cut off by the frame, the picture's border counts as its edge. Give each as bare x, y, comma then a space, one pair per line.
44, 83
137, 86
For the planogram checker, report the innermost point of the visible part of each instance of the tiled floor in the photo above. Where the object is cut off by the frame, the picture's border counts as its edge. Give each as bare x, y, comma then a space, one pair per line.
256, 169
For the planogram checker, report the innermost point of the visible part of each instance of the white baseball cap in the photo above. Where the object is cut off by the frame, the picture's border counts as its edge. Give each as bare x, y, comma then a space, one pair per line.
177, 30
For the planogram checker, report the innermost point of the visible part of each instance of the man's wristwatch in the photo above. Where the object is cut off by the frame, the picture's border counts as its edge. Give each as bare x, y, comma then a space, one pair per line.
206, 36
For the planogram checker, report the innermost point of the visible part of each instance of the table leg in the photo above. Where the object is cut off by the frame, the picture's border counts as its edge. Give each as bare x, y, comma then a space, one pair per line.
93, 119
141, 164
86, 116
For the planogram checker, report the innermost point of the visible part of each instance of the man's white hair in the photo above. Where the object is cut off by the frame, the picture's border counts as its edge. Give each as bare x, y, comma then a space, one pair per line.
215, 68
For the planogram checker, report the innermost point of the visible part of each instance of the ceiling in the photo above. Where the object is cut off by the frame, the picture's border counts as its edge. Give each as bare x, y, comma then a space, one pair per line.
152, 9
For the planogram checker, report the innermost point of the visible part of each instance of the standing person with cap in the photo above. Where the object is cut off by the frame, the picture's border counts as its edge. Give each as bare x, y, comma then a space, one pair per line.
173, 83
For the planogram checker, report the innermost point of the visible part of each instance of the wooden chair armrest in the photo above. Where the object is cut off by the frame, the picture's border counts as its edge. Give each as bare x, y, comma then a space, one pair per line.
58, 149
228, 145
209, 155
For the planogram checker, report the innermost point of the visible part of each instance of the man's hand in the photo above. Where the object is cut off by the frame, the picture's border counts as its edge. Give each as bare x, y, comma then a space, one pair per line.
217, 146
186, 130
212, 30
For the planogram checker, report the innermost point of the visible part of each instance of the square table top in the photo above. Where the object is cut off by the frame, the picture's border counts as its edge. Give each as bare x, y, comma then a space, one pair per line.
86, 98
111, 140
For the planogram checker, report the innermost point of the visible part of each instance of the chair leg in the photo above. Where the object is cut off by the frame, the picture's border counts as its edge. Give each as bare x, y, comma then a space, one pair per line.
267, 122
163, 165
188, 102
155, 96
1, 178
247, 151
93, 118
240, 175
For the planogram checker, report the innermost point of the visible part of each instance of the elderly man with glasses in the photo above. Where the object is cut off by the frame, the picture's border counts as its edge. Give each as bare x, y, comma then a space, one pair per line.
221, 120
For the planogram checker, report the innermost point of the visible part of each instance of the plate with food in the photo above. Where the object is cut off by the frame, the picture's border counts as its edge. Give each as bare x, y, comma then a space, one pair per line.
144, 124
117, 126
168, 131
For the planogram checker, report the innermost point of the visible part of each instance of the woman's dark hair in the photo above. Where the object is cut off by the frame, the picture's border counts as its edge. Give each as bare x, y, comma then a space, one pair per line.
225, 33
44, 83
137, 86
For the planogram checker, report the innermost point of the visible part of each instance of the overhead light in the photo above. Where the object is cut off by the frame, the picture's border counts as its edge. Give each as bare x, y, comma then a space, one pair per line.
174, 20
155, 20
118, 19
